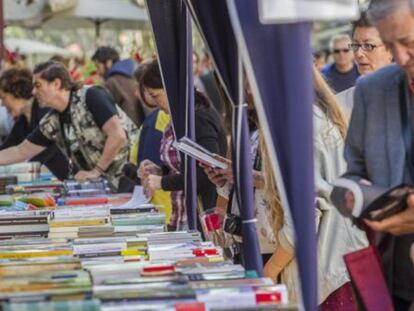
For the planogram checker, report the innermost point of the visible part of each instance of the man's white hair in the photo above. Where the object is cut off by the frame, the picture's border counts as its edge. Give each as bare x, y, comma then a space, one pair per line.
337, 38
379, 9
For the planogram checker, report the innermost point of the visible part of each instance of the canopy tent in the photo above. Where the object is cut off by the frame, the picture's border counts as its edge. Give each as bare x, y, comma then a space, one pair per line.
24, 13
29, 47
213, 22
114, 14
171, 26
117, 14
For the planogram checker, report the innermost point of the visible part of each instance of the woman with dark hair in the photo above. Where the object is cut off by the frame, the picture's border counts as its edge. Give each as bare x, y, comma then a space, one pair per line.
210, 134
83, 123
16, 95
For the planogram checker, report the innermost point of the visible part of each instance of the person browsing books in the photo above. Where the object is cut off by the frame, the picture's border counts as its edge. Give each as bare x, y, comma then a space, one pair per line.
83, 123
16, 95
210, 134
379, 140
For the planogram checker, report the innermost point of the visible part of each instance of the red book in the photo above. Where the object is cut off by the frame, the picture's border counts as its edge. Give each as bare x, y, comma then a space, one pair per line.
86, 201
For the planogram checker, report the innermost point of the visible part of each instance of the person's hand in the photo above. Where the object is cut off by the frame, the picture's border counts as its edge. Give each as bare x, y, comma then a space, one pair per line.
148, 167
151, 184
84, 175
219, 176
399, 224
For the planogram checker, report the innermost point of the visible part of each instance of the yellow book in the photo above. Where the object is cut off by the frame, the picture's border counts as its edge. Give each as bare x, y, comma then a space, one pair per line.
78, 223
29, 254
132, 252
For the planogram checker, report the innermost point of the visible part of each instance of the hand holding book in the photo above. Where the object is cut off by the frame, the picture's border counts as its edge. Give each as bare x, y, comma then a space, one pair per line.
390, 210
398, 224
219, 176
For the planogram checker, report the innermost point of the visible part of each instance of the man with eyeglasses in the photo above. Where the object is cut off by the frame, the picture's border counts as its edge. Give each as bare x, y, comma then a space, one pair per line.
343, 73
379, 146
370, 55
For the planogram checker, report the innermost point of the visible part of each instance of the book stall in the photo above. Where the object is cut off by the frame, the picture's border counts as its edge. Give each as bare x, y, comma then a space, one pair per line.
77, 246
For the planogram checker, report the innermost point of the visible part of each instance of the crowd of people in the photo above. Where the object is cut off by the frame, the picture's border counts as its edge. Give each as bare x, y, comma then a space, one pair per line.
118, 126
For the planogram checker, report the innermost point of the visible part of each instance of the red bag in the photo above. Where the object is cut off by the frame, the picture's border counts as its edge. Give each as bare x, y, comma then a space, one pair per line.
367, 276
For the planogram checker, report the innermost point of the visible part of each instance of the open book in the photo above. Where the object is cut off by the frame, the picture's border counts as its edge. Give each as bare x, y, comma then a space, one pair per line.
370, 202
198, 152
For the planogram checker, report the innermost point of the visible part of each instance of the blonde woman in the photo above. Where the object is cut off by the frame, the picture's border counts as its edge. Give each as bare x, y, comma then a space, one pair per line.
336, 235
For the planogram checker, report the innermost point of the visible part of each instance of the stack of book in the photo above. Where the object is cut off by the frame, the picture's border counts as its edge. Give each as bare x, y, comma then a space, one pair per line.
110, 249
186, 250
118, 257
25, 172
15, 224
46, 286
65, 222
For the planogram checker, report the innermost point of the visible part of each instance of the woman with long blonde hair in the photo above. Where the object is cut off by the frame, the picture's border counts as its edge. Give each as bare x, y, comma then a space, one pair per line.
336, 235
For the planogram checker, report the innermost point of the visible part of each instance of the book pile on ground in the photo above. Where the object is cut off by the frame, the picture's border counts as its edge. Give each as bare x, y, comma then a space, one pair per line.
65, 222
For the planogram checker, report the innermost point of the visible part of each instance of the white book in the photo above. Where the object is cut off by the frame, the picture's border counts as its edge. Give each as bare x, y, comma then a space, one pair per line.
198, 152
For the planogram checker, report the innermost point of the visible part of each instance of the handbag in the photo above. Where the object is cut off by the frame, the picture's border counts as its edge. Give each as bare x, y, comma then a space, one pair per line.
367, 277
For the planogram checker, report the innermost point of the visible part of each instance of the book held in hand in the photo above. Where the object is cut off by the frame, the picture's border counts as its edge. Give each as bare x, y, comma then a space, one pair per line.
369, 201
198, 152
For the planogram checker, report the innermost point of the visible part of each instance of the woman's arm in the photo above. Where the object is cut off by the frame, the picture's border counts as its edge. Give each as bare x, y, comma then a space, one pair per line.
279, 260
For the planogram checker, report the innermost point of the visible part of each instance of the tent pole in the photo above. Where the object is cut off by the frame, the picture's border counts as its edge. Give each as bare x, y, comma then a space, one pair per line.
1, 34
97, 32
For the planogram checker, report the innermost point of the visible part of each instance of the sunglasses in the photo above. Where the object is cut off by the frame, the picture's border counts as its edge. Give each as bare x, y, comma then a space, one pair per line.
337, 51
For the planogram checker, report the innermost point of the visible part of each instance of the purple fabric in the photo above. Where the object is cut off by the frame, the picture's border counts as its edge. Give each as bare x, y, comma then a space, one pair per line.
213, 21
171, 25
278, 59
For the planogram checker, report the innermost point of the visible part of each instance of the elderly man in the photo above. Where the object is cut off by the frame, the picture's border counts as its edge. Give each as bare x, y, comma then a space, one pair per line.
380, 137
342, 74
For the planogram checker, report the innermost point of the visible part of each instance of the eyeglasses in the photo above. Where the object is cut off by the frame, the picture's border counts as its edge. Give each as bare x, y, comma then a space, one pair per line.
367, 47
337, 51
